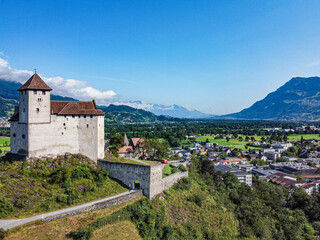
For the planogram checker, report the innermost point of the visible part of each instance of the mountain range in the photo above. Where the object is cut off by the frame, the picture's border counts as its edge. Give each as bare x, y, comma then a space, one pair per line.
9, 97
169, 110
296, 100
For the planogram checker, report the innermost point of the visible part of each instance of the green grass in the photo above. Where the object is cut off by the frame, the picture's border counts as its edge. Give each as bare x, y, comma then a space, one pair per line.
3, 140
233, 143
168, 170
297, 137
36, 186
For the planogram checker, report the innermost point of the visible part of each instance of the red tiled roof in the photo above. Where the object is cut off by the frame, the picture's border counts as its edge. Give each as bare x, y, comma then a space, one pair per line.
125, 149
135, 141
75, 108
35, 83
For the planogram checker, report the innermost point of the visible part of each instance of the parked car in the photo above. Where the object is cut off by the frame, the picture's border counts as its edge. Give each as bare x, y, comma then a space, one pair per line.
164, 161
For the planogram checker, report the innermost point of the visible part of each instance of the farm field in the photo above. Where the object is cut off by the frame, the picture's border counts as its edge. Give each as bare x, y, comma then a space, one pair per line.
237, 144
233, 143
3, 141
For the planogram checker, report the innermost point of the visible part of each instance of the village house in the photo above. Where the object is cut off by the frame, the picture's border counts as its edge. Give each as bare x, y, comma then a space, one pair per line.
44, 128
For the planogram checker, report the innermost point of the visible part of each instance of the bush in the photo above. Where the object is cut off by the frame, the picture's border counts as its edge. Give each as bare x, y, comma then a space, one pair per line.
81, 172
174, 170
181, 167
3, 234
183, 184
6, 207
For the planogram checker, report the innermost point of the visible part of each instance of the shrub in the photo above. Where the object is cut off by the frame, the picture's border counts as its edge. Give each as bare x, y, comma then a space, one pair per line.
183, 184
181, 167
174, 170
6, 207
81, 172
3, 234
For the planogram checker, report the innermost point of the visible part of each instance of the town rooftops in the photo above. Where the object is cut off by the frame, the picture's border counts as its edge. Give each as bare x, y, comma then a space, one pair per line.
126, 149
75, 108
35, 83
283, 179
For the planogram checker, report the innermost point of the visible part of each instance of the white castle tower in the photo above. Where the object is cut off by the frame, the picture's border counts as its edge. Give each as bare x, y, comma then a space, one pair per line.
41, 127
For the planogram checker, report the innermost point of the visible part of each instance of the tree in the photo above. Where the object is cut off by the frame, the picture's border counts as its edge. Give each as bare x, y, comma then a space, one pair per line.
117, 140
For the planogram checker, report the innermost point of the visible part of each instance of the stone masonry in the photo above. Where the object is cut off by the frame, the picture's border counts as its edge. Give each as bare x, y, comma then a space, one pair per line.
149, 176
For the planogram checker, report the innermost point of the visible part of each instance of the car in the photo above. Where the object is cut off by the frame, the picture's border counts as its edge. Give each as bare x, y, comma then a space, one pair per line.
164, 161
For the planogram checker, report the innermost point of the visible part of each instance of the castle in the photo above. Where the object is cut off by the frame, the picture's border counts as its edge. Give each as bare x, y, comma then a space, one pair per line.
44, 128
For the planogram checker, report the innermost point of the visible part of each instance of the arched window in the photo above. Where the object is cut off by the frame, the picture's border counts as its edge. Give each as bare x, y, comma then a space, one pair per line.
14, 135
38, 110
23, 136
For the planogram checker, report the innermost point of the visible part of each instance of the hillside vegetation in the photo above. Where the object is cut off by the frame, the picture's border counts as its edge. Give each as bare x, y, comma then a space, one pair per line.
208, 205
35, 186
123, 113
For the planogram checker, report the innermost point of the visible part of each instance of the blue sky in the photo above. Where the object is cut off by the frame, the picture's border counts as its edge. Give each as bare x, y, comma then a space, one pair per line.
214, 56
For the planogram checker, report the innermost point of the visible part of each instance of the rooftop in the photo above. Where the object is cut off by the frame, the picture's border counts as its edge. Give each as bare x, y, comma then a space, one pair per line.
35, 83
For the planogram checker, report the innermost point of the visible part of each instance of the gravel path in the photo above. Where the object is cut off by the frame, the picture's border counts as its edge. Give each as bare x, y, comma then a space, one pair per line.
11, 223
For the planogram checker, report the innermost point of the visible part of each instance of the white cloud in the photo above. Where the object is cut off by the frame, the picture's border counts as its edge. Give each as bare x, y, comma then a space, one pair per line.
135, 104
313, 64
65, 87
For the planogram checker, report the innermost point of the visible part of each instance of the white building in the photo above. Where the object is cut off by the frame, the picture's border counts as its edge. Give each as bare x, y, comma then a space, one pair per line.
44, 128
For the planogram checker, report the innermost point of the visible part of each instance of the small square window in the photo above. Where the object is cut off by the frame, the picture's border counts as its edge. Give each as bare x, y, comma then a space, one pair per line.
34, 92
38, 110
43, 92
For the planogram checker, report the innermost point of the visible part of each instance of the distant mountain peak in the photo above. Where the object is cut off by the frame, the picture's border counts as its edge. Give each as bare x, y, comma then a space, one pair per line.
296, 100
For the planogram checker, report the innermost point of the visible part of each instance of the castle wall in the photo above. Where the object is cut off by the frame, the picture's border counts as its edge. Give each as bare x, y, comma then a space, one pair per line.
23, 106
100, 137
18, 138
63, 134
170, 180
39, 106
149, 176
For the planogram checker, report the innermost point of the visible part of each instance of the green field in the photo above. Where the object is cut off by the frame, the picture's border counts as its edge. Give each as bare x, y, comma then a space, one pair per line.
297, 137
233, 143
3, 141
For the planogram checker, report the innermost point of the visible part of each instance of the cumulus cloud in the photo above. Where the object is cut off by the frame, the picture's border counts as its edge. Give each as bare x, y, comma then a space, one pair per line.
65, 87
135, 104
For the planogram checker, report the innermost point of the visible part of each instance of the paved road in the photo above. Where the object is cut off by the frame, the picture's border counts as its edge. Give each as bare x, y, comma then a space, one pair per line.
7, 224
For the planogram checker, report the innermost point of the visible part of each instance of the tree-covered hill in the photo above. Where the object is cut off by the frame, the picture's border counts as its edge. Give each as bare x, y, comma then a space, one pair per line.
297, 100
9, 97
126, 114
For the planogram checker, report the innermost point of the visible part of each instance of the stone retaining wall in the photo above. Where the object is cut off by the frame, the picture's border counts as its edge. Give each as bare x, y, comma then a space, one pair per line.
149, 176
170, 180
101, 205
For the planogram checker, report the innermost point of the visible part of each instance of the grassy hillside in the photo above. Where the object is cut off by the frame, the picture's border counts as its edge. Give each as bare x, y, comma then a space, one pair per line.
61, 228
35, 186
208, 205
